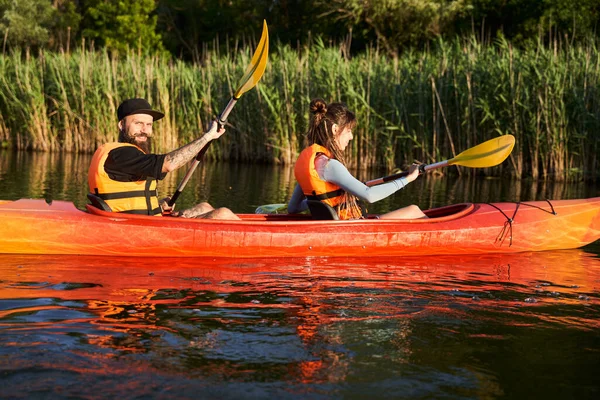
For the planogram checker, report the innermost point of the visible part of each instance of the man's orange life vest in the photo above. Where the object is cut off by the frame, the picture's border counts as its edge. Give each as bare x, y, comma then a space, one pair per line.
139, 197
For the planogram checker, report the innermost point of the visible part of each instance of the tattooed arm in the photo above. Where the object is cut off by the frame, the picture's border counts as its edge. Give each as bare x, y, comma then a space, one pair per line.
178, 158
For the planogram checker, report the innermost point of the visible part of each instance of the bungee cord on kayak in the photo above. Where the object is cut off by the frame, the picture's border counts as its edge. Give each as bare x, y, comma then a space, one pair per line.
508, 225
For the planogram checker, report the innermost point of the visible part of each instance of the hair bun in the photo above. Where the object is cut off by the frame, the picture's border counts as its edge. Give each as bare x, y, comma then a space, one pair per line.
318, 106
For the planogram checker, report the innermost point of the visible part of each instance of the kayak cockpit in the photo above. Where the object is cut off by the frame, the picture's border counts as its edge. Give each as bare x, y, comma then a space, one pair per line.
439, 214
451, 211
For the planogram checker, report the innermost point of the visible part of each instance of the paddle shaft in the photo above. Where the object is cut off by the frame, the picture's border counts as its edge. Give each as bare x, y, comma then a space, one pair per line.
487, 154
422, 169
186, 178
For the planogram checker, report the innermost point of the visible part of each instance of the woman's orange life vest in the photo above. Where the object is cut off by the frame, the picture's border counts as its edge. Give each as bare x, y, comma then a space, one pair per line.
315, 188
139, 197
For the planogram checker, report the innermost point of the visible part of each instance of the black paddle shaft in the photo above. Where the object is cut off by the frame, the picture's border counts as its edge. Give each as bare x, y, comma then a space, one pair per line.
197, 160
395, 176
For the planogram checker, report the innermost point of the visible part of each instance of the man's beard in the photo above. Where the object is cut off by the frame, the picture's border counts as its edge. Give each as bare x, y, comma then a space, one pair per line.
145, 146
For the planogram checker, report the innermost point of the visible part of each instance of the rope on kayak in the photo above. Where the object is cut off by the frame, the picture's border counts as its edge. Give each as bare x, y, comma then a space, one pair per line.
508, 227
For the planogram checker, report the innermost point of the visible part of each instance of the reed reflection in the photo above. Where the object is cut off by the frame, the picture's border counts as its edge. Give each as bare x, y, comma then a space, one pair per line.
243, 187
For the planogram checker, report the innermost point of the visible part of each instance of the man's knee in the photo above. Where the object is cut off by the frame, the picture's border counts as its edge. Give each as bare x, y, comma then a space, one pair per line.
197, 211
203, 207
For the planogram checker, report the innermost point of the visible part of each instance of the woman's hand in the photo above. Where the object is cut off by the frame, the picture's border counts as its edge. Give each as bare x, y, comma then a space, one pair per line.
413, 172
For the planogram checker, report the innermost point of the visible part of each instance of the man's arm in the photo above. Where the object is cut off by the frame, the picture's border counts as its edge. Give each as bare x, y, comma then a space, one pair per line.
183, 155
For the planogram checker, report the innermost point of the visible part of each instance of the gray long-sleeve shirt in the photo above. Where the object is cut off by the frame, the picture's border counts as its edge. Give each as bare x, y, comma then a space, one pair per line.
334, 172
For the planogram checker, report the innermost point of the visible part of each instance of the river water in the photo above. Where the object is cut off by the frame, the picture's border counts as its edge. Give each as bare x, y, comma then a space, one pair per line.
519, 326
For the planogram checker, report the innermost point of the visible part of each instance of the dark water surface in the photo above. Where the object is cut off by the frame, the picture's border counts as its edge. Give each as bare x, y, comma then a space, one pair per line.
243, 187
523, 326
520, 326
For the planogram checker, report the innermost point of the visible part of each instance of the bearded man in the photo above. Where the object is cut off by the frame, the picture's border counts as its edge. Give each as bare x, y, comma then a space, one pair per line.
124, 174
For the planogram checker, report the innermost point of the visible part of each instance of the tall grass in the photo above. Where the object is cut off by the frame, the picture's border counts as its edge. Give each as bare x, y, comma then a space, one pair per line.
428, 105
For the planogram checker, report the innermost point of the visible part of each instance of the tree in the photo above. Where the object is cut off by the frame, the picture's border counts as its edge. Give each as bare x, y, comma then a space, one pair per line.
190, 24
66, 24
395, 23
572, 18
522, 20
123, 24
26, 23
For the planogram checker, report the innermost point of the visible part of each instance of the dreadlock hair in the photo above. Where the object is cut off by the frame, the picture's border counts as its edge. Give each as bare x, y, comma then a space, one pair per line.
320, 132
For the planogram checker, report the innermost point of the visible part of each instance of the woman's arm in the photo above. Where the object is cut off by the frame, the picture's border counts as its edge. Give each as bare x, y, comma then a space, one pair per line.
335, 172
297, 203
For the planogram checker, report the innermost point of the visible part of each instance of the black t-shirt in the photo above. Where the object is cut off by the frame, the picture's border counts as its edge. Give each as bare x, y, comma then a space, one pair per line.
129, 164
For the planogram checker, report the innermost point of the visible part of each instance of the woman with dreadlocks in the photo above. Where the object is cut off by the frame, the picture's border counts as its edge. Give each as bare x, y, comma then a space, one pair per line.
321, 173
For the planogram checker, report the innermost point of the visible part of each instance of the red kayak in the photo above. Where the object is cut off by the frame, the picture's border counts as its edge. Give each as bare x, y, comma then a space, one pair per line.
35, 227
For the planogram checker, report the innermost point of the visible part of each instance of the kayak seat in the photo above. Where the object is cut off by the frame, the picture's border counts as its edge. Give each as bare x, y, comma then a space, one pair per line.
321, 211
98, 202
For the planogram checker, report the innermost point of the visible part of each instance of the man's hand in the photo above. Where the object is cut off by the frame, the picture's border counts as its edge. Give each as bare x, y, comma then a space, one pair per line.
214, 132
165, 207
178, 158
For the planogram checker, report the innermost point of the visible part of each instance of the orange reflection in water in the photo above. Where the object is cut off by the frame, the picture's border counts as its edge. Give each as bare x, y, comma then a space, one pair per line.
126, 295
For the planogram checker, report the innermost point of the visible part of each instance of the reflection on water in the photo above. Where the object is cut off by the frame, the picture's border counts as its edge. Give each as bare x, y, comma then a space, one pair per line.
523, 326
243, 187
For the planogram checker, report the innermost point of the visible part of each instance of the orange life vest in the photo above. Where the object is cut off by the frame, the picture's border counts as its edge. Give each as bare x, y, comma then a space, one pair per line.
315, 188
139, 197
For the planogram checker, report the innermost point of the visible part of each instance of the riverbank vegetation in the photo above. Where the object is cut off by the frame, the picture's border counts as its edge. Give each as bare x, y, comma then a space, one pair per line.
426, 78
427, 105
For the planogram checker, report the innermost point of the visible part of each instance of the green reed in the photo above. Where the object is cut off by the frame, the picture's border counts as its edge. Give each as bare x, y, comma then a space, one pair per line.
426, 106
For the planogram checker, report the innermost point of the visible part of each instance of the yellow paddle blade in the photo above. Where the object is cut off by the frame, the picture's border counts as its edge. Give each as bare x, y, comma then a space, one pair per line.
279, 208
486, 154
257, 66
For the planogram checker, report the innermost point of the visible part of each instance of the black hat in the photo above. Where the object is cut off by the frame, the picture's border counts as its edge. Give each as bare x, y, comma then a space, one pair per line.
137, 106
